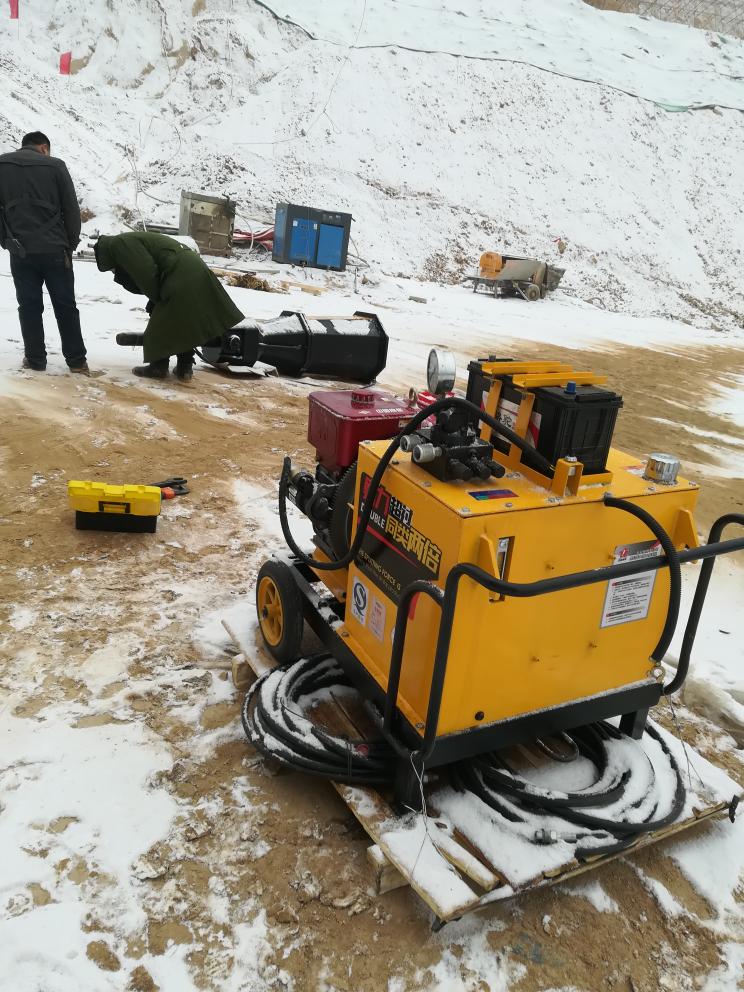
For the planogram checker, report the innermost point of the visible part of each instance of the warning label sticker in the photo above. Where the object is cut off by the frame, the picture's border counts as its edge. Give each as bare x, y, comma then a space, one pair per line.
359, 600
507, 413
377, 614
629, 598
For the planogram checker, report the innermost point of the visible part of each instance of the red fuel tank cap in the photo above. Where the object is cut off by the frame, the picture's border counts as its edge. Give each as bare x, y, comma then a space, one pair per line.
362, 398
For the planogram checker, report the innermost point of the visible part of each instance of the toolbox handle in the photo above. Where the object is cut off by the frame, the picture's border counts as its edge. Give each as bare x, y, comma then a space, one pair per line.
114, 506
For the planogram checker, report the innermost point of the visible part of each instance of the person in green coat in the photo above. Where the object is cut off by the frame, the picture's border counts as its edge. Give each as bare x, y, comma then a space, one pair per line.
188, 305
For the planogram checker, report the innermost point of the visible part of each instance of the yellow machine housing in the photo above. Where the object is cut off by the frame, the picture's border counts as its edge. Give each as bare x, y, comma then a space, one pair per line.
508, 656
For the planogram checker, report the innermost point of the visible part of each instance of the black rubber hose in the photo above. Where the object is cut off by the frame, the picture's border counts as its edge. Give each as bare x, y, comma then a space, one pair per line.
696, 609
675, 570
413, 423
572, 806
273, 720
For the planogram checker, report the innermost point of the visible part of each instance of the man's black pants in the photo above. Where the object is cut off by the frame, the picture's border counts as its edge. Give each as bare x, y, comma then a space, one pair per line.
55, 271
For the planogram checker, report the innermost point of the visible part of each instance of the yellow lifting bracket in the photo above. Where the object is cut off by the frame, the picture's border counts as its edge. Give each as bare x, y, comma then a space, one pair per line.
519, 368
568, 475
533, 380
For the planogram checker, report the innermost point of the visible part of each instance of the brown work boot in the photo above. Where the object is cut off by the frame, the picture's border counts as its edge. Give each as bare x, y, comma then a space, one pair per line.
85, 370
151, 371
25, 364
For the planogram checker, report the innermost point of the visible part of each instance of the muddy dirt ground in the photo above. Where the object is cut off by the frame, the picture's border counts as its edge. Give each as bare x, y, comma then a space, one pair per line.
297, 852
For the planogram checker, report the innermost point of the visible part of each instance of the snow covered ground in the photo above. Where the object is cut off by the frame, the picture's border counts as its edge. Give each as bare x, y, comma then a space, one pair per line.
481, 137
106, 827
225, 98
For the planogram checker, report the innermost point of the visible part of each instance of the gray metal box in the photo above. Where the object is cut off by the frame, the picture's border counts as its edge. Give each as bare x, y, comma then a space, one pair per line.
209, 220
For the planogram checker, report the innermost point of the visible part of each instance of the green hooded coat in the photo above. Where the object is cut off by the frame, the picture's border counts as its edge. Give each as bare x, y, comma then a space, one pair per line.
189, 304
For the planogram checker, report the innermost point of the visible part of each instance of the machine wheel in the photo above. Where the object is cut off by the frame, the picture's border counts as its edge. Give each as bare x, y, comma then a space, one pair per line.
532, 292
342, 516
279, 610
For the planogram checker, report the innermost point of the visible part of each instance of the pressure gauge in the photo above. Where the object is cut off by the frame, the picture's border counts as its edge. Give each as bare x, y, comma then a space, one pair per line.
441, 370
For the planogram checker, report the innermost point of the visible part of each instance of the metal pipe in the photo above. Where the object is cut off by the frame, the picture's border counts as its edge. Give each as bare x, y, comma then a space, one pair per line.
696, 609
521, 590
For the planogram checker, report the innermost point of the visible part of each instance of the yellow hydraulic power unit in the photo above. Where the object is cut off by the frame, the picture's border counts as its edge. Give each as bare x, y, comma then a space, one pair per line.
496, 573
99, 506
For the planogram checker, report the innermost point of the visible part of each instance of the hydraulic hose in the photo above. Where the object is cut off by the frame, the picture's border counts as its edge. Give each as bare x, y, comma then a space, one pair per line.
675, 570
274, 722
413, 423
483, 776
278, 719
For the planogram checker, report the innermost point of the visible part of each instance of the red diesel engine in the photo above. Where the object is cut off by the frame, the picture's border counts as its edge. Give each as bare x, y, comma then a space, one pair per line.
339, 421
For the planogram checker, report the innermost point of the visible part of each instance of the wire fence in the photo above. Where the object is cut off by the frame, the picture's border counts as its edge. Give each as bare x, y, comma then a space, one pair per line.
724, 16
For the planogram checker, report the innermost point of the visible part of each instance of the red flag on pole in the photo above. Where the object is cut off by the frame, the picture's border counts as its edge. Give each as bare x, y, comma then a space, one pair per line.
14, 10
65, 60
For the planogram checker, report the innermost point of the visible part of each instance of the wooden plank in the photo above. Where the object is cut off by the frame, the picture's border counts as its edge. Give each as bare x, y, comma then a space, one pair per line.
386, 876
255, 660
568, 871
375, 815
288, 284
367, 805
463, 860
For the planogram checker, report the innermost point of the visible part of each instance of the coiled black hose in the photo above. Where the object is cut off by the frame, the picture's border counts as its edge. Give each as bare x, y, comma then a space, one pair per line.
275, 721
488, 777
369, 498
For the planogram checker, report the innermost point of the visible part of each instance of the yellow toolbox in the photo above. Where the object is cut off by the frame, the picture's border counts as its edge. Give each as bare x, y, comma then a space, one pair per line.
99, 506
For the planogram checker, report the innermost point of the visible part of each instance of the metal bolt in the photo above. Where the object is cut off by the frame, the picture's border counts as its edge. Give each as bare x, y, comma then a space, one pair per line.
426, 485
554, 499
395, 461
464, 509
419, 726
571, 458
508, 505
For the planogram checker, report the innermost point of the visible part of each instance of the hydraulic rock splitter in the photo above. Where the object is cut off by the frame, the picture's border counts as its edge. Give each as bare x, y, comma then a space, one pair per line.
495, 574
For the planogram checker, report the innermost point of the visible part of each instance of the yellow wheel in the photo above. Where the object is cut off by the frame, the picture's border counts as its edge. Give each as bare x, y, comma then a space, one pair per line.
270, 611
279, 610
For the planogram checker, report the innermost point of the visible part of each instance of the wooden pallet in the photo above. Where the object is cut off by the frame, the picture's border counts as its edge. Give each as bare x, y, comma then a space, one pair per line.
441, 860
289, 284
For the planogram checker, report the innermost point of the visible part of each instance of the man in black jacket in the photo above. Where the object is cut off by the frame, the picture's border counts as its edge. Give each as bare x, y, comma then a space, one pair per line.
40, 227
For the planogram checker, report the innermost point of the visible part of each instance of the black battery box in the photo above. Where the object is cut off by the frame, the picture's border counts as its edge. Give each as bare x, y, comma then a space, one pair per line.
572, 420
